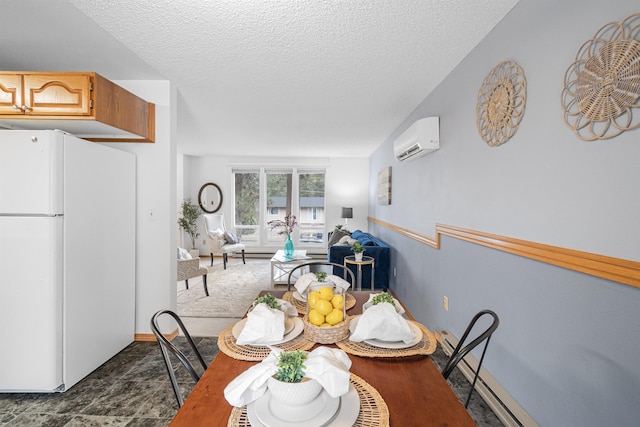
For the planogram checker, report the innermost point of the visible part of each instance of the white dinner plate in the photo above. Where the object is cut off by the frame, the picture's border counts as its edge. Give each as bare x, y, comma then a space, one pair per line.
316, 413
390, 344
294, 325
347, 414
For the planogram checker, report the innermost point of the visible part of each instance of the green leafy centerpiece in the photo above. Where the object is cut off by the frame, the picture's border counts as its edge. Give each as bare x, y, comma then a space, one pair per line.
380, 298
267, 299
321, 276
383, 297
291, 366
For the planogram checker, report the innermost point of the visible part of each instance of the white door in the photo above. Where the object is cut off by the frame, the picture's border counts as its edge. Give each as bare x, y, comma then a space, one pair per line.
30, 303
31, 172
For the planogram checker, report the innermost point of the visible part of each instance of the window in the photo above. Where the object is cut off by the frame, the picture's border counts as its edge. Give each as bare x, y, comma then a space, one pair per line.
247, 207
276, 192
311, 196
279, 187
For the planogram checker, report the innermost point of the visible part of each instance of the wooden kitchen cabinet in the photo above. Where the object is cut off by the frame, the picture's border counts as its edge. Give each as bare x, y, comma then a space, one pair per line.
83, 103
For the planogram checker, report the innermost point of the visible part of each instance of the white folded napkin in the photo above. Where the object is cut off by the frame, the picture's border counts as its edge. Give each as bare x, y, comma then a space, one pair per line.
303, 282
339, 281
264, 325
382, 322
329, 366
287, 308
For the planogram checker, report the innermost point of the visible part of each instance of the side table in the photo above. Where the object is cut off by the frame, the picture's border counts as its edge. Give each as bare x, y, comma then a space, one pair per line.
366, 260
281, 266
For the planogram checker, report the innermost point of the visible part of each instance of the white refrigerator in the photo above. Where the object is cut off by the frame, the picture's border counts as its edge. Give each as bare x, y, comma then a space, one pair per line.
67, 258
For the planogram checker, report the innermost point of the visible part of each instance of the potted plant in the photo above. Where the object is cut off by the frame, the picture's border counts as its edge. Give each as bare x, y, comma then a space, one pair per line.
289, 385
357, 249
288, 225
189, 223
321, 276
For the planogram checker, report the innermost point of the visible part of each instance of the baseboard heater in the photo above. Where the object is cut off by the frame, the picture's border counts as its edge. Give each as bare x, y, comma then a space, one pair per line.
508, 411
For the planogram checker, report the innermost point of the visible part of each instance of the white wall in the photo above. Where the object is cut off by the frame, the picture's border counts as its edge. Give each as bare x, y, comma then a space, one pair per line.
567, 342
156, 205
183, 240
346, 183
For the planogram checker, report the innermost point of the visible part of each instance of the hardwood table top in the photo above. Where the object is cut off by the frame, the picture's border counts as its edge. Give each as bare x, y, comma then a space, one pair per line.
412, 387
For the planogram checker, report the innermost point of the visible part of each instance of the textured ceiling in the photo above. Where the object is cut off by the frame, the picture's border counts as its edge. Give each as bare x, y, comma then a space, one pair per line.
278, 78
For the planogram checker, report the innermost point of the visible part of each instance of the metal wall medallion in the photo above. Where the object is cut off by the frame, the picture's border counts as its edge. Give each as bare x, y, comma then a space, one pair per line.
602, 86
501, 101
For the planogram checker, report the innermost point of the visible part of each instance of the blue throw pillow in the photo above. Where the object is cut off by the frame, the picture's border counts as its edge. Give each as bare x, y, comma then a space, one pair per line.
230, 237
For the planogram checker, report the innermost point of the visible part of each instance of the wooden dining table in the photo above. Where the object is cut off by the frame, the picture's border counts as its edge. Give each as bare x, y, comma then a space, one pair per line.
413, 388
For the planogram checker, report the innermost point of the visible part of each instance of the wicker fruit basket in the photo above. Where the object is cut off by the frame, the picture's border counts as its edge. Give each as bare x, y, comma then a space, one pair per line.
326, 334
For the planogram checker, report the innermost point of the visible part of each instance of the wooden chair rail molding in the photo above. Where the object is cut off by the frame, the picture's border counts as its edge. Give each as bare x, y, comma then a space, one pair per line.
616, 269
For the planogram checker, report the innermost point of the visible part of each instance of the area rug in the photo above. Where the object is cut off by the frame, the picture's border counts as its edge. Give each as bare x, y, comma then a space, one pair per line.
231, 291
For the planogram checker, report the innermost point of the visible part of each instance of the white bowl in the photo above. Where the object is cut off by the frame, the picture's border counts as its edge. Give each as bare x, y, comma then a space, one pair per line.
294, 394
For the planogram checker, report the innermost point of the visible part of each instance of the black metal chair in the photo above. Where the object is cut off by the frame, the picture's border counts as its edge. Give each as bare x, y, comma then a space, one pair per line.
350, 274
459, 353
167, 347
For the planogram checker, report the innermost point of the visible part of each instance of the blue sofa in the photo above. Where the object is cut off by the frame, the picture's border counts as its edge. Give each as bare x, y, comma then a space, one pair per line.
375, 248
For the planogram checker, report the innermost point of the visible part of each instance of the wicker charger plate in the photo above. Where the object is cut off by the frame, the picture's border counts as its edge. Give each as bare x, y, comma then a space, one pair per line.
373, 409
301, 306
426, 346
227, 345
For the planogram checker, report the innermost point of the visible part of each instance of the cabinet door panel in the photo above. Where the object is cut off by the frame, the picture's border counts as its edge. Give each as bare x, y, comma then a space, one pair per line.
63, 94
10, 94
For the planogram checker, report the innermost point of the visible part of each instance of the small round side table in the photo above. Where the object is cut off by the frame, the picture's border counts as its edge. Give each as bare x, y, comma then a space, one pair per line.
366, 260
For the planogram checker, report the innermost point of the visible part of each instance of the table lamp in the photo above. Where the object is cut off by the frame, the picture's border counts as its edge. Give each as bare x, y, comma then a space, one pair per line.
346, 214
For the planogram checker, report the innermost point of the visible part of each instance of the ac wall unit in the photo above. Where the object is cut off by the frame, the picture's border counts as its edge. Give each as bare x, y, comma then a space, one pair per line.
421, 138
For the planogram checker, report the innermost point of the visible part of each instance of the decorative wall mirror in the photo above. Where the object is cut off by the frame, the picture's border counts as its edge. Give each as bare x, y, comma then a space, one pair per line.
210, 197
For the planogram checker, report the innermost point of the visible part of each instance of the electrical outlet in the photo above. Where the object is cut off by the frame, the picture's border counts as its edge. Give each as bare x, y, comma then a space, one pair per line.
395, 272
446, 303
204, 242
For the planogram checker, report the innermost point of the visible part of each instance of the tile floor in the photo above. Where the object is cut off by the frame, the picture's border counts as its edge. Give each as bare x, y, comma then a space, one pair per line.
133, 389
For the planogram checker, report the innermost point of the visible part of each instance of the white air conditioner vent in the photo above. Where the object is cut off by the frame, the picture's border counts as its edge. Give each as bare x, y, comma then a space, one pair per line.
421, 138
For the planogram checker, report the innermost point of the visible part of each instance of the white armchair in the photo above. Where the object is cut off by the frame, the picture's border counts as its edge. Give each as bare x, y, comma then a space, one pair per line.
221, 241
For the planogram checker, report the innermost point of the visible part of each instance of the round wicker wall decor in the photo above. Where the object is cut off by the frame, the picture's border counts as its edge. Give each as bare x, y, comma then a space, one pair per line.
501, 101
602, 86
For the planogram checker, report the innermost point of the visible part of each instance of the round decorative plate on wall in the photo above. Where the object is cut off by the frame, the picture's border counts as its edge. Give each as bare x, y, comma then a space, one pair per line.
500, 105
602, 86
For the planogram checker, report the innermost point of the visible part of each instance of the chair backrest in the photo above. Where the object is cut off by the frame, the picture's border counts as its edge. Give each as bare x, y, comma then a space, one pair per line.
350, 274
166, 347
214, 224
460, 352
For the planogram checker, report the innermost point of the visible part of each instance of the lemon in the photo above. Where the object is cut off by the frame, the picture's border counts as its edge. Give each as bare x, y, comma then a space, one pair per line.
316, 318
323, 307
337, 301
326, 324
312, 298
326, 293
336, 316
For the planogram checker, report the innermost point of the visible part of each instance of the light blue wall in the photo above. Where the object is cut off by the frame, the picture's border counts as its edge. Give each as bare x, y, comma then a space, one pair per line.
567, 345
